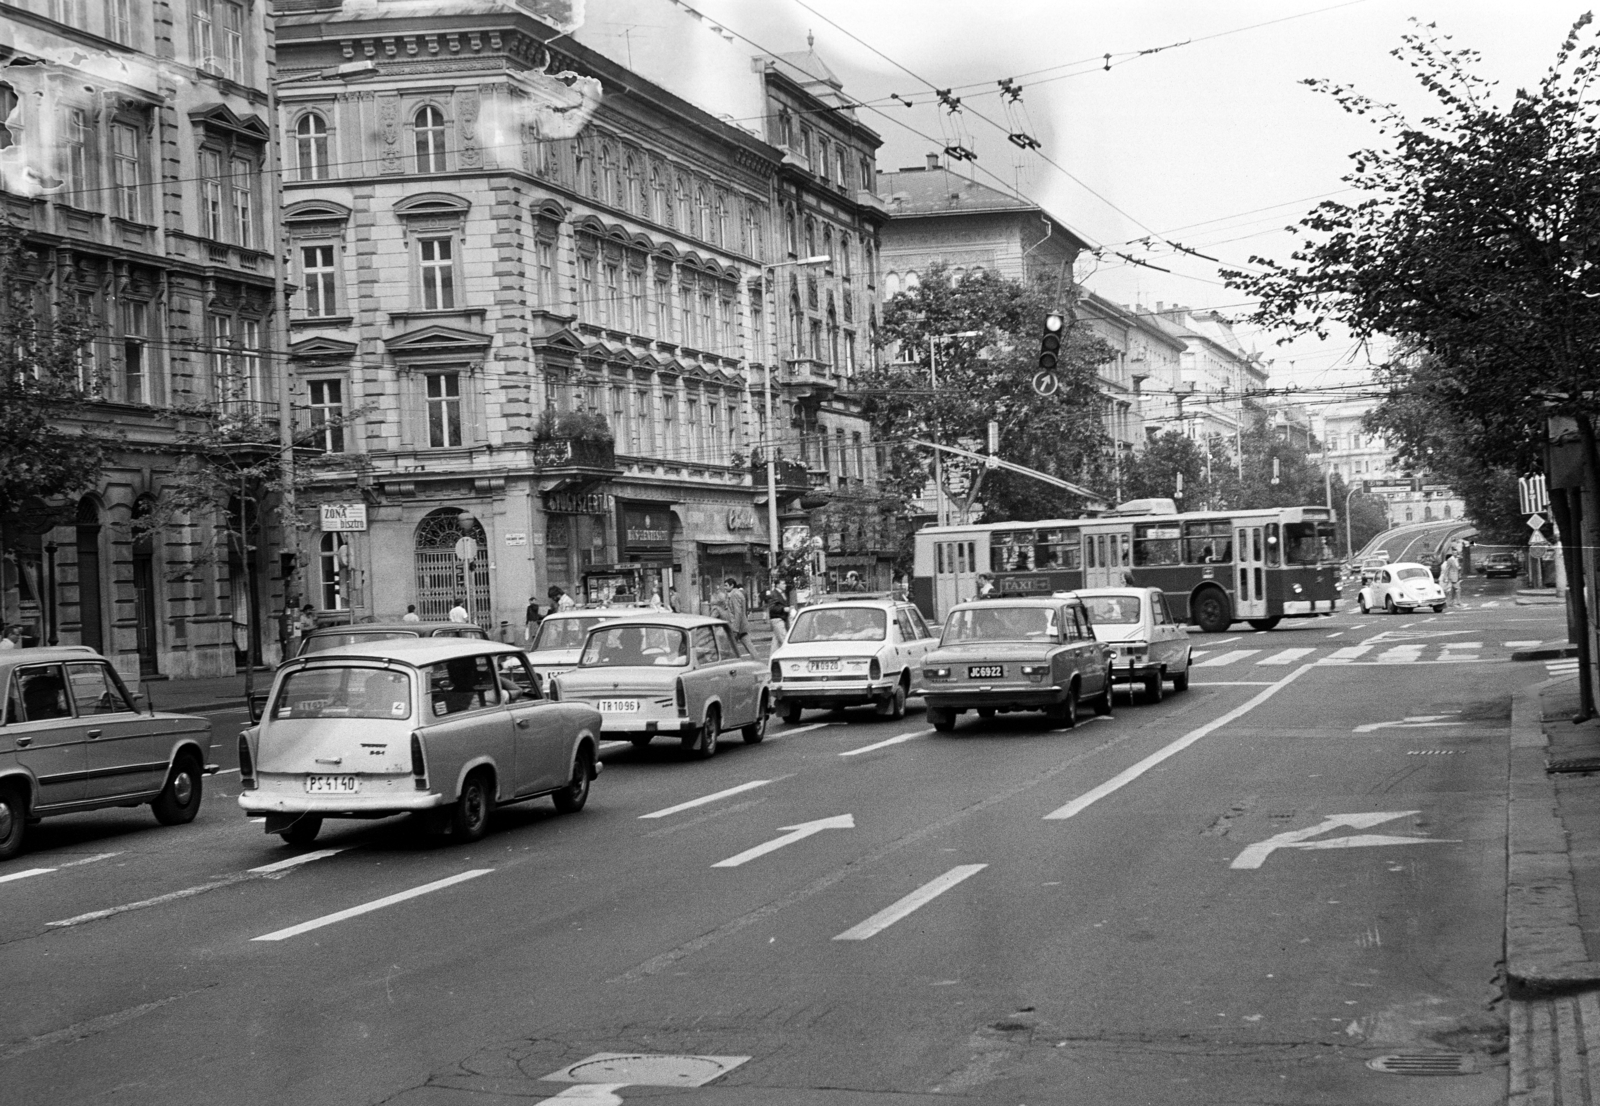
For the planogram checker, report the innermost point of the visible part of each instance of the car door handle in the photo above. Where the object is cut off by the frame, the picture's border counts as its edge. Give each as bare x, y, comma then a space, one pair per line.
24, 742
522, 723
94, 733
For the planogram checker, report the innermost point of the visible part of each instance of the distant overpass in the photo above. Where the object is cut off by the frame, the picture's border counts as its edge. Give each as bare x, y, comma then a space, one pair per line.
1416, 540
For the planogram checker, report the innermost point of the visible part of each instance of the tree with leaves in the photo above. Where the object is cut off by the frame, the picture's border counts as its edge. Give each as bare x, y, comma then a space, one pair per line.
988, 376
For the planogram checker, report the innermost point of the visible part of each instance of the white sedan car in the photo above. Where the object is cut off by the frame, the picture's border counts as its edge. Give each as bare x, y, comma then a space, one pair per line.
848, 652
1402, 586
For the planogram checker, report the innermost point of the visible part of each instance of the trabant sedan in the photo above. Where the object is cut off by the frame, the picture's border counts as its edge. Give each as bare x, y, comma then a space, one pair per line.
359, 633
72, 739
1402, 586
559, 642
848, 652
1016, 654
1147, 644
448, 728
682, 675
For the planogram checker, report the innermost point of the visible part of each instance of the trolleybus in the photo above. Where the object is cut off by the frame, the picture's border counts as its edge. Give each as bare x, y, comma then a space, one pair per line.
1216, 567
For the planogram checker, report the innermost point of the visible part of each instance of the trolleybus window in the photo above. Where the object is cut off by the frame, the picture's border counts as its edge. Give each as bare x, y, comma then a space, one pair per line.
1309, 543
1272, 545
1057, 549
1156, 543
1011, 550
1207, 542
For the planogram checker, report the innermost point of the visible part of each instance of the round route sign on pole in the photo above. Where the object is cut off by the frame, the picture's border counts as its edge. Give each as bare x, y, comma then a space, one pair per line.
1045, 383
466, 549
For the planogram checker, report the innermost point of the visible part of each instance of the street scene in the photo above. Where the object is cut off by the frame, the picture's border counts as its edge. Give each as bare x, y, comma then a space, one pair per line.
791, 553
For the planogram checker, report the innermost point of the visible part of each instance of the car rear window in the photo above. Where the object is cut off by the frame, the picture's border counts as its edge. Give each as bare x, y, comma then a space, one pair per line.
1413, 574
994, 622
1113, 610
633, 646
343, 692
840, 624
564, 633
319, 643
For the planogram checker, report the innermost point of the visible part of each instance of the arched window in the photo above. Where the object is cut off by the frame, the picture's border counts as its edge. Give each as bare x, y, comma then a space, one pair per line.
797, 322
685, 215
811, 237
638, 199
702, 208
891, 283
721, 217
785, 128
658, 196
824, 158
442, 577
871, 273
311, 147
428, 124
583, 166
844, 264
833, 337
791, 240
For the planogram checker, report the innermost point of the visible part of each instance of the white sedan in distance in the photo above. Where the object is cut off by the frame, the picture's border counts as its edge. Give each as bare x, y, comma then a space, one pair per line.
1402, 586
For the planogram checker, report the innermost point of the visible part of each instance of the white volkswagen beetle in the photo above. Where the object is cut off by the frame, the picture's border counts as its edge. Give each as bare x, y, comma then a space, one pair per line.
1402, 586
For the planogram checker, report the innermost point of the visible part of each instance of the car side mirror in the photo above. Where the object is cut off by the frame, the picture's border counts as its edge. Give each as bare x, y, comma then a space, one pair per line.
258, 706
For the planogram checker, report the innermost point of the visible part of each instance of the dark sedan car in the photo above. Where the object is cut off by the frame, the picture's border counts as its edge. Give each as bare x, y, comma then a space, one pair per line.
1501, 564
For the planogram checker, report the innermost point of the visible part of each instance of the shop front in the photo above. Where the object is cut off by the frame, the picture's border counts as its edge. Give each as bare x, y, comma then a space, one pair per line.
575, 535
646, 531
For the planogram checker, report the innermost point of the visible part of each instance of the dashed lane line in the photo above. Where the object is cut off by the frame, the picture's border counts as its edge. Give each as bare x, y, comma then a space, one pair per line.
790, 731
704, 799
895, 740
296, 861
29, 872
1230, 683
375, 904
26, 873
919, 898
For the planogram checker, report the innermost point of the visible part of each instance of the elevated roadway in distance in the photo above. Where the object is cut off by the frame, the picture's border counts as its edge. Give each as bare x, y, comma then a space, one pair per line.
1416, 540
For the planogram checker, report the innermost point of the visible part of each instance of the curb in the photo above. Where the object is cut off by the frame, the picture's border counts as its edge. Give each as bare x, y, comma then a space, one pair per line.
1545, 653
1545, 953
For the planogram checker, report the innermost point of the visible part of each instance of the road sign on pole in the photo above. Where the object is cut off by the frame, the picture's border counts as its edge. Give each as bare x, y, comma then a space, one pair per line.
1533, 493
1045, 383
1535, 522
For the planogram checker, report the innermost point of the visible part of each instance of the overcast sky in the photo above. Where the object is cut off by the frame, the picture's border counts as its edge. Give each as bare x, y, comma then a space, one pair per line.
1215, 144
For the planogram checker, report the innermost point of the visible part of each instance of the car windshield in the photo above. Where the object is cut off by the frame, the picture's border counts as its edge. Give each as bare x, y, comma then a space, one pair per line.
619, 646
320, 643
342, 691
840, 624
1413, 574
992, 622
1310, 543
564, 633
1113, 610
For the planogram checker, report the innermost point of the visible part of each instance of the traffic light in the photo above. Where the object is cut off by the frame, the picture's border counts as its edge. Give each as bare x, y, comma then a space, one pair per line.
1050, 345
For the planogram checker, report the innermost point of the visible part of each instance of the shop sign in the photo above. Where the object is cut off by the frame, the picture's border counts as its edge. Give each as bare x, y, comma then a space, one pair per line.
741, 518
577, 503
647, 528
344, 517
516, 537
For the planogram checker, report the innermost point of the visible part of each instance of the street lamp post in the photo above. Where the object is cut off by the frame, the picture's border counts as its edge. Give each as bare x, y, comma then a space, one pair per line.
769, 446
1349, 546
933, 384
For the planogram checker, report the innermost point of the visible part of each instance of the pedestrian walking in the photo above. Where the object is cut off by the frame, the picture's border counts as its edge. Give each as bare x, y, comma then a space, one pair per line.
306, 622
411, 614
778, 616
1450, 579
458, 613
738, 609
12, 639
531, 619
719, 603
560, 600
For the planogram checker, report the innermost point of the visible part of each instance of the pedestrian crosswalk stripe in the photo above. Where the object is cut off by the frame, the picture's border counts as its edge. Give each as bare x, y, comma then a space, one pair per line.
1348, 653
1562, 667
1523, 644
1400, 654
1463, 645
1287, 656
1227, 658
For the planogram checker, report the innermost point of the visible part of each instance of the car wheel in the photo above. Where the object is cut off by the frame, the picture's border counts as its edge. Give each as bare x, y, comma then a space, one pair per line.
571, 798
1152, 686
13, 821
791, 713
941, 719
894, 707
1065, 716
755, 731
469, 819
1211, 611
1180, 680
1438, 608
703, 743
1388, 605
179, 801
1361, 601
304, 831
1264, 623
1102, 702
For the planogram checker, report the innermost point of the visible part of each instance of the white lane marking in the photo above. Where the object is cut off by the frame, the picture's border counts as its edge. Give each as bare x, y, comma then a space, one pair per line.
1256, 855
375, 904
796, 833
1496, 603
1400, 654
1523, 644
589, 1094
296, 861
704, 799
1122, 779
1227, 658
923, 895
1463, 645
1224, 640
225, 771
1562, 668
88, 859
1196, 654
895, 740
1339, 634
1347, 653
790, 731
25, 873
1230, 683
1287, 656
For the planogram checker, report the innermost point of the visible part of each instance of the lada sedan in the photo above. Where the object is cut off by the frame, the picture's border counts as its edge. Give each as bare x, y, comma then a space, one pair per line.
1016, 654
682, 675
1402, 586
448, 728
73, 739
1147, 644
559, 642
850, 652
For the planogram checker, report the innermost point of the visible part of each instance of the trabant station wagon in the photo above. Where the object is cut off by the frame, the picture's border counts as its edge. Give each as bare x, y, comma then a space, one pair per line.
1148, 645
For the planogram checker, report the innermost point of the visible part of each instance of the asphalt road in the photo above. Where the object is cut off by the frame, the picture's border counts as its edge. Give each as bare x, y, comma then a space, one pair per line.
1241, 894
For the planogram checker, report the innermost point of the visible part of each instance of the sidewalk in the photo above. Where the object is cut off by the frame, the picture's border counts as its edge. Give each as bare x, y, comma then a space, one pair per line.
1553, 899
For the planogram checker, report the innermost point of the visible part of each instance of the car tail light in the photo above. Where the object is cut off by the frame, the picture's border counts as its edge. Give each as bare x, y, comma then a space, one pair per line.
936, 673
874, 670
777, 672
247, 765
680, 697
553, 690
419, 767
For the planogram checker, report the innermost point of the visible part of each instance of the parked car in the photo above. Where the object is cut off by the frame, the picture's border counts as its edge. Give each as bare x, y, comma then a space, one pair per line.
324, 638
445, 727
559, 642
1501, 564
72, 738
1016, 654
849, 652
1148, 646
682, 675
1402, 586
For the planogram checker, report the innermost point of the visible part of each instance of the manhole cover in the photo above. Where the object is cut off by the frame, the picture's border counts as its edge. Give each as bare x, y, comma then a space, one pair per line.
643, 1070
1424, 1063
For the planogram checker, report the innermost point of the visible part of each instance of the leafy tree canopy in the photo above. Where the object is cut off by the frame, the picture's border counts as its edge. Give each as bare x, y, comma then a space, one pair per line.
985, 376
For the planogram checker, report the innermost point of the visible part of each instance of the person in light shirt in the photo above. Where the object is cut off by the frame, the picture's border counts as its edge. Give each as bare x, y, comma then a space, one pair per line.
458, 613
411, 614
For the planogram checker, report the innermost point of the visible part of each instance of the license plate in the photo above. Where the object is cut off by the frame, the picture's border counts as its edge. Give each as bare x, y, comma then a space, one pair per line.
337, 785
619, 706
822, 666
985, 671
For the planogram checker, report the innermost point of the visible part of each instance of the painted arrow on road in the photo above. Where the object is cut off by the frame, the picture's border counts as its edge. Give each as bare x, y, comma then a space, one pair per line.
1256, 855
796, 833
1415, 721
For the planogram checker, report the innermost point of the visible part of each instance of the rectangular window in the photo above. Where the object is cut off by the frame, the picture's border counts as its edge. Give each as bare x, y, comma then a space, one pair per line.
644, 413
850, 352
74, 13
203, 34
230, 17
707, 332
318, 273
860, 457
80, 159
243, 214
686, 334
611, 314
438, 274
691, 418
619, 413
733, 431
211, 211
222, 358
713, 431
758, 334
587, 307
327, 415
545, 259
250, 382
135, 370
729, 348
670, 449
664, 310
444, 410
636, 308
127, 199
122, 21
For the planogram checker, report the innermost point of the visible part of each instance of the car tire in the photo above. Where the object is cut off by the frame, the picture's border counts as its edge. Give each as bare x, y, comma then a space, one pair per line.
702, 744
303, 831
639, 741
1388, 605
13, 821
941, 719
469, 817
790, 714
757, 730
1152, 686
1180, 680
1065, 716
571, 798
179, 800
1361, 601
1211, 612
1438, 608
1102, 702
1264, 624
894, 707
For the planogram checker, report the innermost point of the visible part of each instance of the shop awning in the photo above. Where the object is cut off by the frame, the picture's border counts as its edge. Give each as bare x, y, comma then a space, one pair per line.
730, 548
